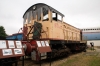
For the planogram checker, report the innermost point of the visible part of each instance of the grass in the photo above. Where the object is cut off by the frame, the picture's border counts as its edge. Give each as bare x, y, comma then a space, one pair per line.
95, 61
82, 60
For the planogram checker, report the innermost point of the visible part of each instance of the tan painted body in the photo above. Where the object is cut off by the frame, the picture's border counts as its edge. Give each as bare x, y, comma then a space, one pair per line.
57, 30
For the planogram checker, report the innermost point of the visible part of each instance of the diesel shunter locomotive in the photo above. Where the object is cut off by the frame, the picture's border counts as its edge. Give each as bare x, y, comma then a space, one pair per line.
44, 23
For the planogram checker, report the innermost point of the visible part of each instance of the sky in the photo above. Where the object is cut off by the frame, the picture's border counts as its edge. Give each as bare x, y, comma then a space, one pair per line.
79, 13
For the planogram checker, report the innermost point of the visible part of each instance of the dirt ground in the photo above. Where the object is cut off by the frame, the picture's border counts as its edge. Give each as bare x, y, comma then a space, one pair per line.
54, 62
60, 61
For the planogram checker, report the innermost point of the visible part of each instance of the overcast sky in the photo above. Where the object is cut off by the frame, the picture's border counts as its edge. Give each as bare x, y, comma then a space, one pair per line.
79, 13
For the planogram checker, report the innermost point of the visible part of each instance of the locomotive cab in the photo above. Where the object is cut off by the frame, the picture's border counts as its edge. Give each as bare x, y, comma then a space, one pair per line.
39, 22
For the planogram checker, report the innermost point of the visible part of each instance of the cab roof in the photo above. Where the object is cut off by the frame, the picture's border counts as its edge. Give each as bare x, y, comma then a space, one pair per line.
40, 5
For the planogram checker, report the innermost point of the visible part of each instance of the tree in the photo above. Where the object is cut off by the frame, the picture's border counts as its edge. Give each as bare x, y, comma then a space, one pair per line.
2, 33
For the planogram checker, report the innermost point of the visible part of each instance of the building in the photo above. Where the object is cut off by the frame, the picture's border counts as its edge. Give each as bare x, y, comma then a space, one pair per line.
18, 36
91, 35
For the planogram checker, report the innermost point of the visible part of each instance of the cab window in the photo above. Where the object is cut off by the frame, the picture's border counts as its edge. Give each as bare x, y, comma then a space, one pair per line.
45, 14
